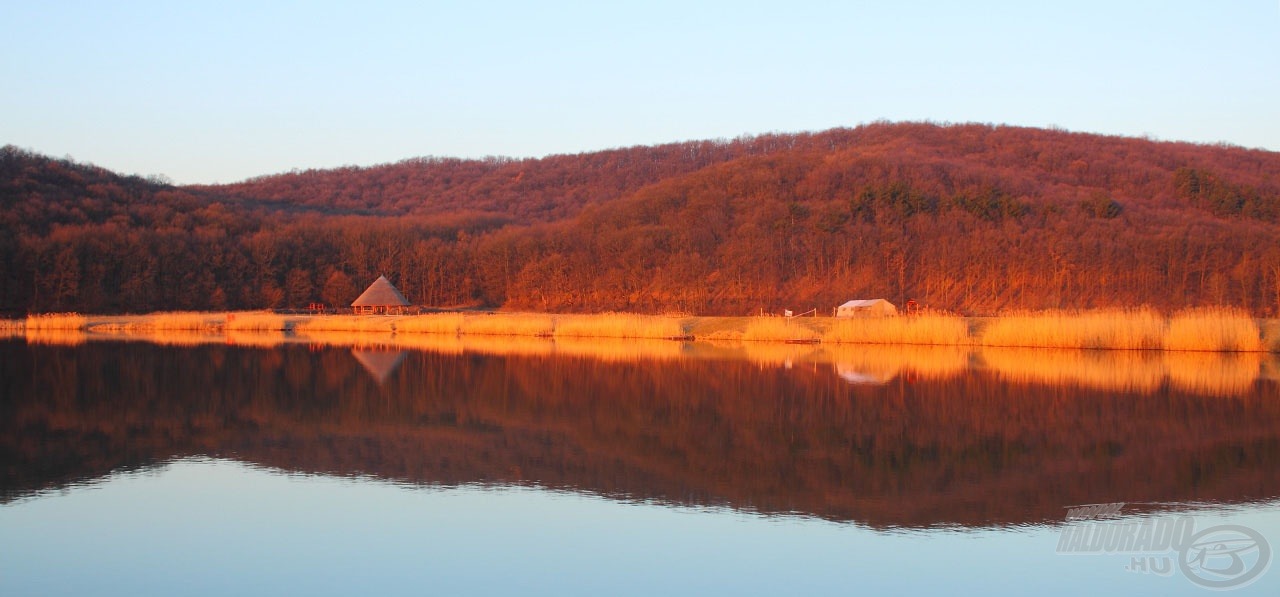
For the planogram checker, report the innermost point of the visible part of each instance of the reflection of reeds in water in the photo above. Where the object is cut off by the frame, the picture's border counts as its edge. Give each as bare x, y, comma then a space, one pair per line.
1213, 374
508, 324
507, 346
774, 354
1134, 329
437, 343
923, 329
612, 350
1213, 328
1271, 367
56, 321
929, 362
170, 337
431, 323
352, 338
1121, 371
1144, 372
255, 338
777, 329
619, 325
54, 336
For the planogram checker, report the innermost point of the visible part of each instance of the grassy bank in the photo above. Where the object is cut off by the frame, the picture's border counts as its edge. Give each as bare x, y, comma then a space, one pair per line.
1192, 330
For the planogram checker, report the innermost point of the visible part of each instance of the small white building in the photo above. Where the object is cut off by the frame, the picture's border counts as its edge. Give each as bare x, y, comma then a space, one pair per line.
866, 308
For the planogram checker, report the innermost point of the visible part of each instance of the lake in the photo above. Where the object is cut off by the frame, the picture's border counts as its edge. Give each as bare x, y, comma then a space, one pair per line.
265, 465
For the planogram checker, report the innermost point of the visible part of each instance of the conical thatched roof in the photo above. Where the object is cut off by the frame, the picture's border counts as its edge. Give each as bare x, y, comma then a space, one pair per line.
381, 294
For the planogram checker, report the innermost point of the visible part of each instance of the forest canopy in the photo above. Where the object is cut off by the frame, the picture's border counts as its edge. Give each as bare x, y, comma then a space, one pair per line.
969, 218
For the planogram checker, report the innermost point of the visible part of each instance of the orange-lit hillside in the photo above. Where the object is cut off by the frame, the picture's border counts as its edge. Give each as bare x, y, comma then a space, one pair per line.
972, 218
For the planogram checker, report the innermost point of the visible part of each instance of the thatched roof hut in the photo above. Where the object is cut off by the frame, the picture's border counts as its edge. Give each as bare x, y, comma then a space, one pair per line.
380, 297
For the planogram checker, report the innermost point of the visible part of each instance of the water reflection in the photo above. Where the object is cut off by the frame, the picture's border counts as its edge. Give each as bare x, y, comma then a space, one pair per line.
379, 363
942, 436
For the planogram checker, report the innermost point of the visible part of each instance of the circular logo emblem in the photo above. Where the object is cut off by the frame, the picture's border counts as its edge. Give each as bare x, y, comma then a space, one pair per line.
1227, 556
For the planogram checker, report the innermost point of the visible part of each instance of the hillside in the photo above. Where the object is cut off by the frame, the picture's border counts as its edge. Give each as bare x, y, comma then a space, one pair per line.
970, 218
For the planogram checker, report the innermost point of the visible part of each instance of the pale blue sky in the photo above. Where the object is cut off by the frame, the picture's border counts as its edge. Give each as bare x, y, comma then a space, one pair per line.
220, 91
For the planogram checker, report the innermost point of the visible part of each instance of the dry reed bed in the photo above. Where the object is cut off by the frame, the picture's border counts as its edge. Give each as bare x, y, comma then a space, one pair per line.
928, 329
1201, 329
56, 321
508, 324
178, 321
1136, 329
255, 321
432, 323
1214, 329
347, 323
619, 325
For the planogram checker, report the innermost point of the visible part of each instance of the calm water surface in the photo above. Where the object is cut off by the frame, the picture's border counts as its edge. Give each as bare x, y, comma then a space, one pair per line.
433, 466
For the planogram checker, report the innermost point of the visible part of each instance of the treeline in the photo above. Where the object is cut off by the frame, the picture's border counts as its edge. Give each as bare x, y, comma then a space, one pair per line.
970, 218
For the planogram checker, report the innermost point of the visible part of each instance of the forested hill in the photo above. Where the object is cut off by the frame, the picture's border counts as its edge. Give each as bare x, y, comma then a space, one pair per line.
970, 218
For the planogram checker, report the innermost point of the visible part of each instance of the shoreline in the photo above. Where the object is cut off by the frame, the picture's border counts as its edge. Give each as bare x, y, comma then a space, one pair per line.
1195, 330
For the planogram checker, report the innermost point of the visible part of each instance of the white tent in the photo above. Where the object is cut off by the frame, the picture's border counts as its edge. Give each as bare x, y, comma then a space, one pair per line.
866, 308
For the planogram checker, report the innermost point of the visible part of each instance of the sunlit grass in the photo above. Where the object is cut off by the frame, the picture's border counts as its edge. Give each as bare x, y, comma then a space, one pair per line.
934, 329
176, 321
12, 325
508, 324
431, 323
255, 321
347, 323
721, 336
56, 321
777, 329
619, 325
1213, 329
1132, 329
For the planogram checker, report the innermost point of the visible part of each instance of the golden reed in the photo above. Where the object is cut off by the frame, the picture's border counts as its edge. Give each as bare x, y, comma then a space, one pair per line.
56, 321
928, 329
1214, 329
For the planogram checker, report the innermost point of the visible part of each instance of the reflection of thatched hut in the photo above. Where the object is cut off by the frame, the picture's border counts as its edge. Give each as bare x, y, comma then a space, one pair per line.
380, 297
379, 363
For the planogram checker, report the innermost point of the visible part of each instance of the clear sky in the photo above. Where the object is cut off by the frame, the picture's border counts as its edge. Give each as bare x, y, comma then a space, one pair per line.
205, 91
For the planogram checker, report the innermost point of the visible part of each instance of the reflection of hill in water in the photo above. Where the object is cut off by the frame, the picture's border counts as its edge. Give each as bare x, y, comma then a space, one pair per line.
970, 447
